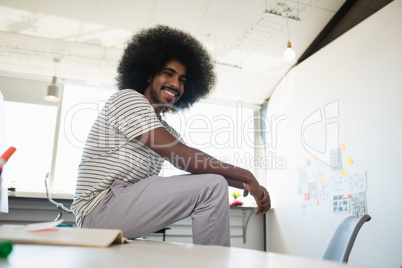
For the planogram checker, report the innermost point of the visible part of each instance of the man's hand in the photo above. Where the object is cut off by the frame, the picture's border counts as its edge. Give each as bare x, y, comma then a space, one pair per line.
266, 202
261, 196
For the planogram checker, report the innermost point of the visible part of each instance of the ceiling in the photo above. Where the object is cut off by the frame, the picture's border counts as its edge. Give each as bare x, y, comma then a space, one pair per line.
82, 40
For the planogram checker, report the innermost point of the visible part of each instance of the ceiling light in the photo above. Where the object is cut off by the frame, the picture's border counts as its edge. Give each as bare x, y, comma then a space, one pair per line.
53, 91
289, 54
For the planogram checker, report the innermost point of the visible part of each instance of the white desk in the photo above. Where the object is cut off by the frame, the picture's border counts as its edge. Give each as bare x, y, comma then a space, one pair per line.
141, 253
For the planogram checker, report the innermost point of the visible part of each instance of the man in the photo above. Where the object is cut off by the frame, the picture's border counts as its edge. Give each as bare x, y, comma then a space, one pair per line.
118, 184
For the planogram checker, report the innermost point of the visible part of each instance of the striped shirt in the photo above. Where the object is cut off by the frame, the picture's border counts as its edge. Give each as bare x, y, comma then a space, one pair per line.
111, 151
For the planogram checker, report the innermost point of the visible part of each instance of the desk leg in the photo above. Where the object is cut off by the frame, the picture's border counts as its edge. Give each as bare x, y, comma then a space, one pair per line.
265, 231
246, 219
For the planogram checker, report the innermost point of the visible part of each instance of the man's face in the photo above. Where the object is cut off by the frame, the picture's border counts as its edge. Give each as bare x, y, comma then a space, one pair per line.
167, 85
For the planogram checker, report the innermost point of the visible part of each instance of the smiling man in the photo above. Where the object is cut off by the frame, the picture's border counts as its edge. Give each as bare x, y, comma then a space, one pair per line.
162, 69
171, 80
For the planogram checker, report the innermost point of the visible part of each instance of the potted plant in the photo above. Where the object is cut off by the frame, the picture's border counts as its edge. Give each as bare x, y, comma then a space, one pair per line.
236, 202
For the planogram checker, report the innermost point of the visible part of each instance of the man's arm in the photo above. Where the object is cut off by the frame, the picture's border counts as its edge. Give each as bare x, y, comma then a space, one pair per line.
195, 161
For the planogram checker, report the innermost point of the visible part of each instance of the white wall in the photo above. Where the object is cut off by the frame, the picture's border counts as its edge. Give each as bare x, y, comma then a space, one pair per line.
362, 71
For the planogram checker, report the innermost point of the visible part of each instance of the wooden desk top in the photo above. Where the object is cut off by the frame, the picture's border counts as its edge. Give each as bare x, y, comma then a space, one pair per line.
145, 253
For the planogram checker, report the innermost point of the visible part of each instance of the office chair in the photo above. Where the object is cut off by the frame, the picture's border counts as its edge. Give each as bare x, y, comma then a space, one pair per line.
342, 241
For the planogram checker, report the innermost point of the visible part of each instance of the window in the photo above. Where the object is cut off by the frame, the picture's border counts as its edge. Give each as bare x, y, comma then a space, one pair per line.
49, 138
225, 132
30, 128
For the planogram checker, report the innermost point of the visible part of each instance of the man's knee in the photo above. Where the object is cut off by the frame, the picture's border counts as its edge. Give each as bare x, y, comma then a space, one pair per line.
218, 185
218, 180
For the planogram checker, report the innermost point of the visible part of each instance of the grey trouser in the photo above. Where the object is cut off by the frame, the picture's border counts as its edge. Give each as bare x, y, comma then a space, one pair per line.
156, 202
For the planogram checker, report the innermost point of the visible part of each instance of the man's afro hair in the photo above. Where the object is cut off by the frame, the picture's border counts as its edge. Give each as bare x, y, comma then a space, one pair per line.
150, 49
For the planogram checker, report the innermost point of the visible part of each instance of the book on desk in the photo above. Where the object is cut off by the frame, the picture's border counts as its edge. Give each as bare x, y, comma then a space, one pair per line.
61, 236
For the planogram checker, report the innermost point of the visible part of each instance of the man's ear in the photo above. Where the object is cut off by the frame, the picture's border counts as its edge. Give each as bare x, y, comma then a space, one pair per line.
149, 79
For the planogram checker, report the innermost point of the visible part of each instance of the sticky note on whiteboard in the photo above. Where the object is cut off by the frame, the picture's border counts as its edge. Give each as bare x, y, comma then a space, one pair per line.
349, 161
343, 147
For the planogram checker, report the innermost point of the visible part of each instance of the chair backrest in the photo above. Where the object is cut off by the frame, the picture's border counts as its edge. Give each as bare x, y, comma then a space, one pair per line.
342, 241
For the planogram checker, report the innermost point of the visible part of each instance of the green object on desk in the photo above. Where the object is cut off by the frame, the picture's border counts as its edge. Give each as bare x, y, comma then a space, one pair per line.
5, 249
63, 225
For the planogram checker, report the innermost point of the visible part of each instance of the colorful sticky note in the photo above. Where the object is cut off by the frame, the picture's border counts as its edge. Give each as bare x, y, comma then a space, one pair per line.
299, 191
346, 195
324, 165
306, 197
308, 162
305, 160
344, 172
350, 161
343, 147
321, 181
316, 202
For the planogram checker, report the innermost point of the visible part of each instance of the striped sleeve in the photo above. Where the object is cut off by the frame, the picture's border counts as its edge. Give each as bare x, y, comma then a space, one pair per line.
131, 114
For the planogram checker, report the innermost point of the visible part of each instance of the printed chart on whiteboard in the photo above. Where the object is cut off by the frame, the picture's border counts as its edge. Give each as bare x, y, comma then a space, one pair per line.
338, 185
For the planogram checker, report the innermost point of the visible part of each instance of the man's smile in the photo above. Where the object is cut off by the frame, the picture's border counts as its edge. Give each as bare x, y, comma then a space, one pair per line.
170, 91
